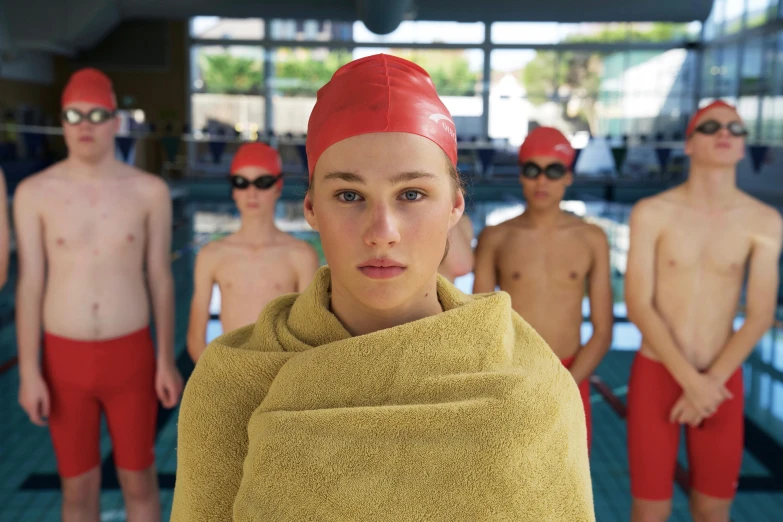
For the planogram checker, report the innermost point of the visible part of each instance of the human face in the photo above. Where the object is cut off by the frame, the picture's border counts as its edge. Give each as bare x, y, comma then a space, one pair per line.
542, 192
253, 200
721, 149
383, 204
87, 140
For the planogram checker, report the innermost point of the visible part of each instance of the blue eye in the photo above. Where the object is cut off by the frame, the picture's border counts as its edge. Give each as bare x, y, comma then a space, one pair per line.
412, 195
348, 196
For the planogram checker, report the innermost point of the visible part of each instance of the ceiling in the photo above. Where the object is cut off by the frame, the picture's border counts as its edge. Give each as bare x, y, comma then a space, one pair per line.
69, 26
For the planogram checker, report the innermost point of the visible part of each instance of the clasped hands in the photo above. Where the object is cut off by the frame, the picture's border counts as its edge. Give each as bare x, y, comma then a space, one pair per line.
700, 400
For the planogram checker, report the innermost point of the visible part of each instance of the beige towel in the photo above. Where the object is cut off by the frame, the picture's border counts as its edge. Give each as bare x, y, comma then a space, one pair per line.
462, 416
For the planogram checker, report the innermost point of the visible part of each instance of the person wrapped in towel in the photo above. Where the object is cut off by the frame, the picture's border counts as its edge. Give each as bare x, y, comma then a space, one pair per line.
382, 392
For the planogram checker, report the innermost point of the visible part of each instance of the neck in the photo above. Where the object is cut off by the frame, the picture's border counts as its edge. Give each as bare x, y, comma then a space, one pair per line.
359, 319
543, 217
258, 228
91, 169
711, 186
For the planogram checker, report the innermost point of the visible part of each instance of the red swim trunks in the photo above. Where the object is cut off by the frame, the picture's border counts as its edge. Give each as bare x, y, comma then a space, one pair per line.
116, 376
584, 391
714, 448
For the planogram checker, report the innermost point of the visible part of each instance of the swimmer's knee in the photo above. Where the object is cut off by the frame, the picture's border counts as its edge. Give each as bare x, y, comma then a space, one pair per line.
83, 490
709, 509
650, 510
138, 486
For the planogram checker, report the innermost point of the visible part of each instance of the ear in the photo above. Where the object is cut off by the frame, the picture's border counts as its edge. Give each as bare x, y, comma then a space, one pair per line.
458, 209
309, 211
688, 148
569, 178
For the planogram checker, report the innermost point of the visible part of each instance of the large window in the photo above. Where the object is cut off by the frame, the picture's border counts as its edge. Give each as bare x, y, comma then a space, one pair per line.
310, 30
589, 93
735, 11
298, 74
759, 12
250, 74
532, 33
422, 32
226, 88
216, 28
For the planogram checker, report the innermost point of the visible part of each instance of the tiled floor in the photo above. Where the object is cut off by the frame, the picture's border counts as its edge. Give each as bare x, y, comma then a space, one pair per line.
29, 490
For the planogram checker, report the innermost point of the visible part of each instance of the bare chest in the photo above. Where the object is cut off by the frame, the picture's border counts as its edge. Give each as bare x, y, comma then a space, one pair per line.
256, 273
561, 260
93, 222
719, 248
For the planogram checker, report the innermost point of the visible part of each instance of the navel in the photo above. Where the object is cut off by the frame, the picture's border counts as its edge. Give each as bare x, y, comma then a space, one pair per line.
515, 276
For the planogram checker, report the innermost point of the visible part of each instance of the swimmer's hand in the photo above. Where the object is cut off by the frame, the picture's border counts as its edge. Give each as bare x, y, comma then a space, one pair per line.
685, 413
168, 384
34, 398
706, 393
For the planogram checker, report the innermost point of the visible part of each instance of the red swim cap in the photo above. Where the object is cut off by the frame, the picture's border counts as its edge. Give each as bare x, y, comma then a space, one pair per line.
547, 141
257, 154
90, 86
379, 93
696, 117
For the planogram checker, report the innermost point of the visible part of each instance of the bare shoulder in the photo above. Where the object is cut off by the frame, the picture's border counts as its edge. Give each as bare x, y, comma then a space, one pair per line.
150, 185
763, 219
35, 187
299, 247
229, 244
655, 210
594, 234
210, 254
494, 234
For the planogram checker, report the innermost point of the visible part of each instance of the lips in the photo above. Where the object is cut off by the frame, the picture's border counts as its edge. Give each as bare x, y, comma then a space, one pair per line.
381, 268
86, 139
723, 145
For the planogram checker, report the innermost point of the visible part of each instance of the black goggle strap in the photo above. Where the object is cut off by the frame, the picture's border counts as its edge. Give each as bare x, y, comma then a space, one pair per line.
552, 171
74, 116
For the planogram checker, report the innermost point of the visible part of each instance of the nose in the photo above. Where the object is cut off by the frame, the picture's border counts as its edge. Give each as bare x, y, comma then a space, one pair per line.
382, 226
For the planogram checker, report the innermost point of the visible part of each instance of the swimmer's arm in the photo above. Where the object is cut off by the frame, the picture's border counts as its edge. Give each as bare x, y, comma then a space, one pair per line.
161, 281
761, 301
203, 282
601, 312
486, 272
5, 232
306, 264
31, 281
460, 259
645, 228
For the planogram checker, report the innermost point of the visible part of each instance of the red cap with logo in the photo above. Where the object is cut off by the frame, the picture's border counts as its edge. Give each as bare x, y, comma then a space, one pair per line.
90, 86
547, 141
257, 154
379, 93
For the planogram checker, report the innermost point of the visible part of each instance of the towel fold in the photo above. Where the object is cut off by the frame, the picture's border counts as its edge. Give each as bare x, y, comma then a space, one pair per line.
465, 415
